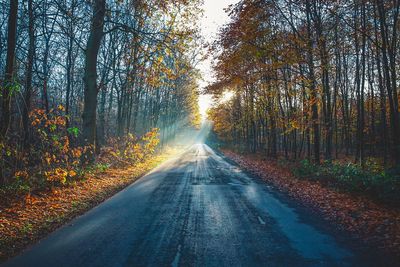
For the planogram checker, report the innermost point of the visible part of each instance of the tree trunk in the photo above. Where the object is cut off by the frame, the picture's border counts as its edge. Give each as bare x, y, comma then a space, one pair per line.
390, 83
8, 77
313, 89
90, 75
29, 67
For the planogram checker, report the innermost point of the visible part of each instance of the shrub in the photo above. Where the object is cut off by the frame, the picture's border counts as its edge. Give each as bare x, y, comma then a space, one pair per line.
131, 149
59, 160
372, 180
306, 169
49, 158
52, 157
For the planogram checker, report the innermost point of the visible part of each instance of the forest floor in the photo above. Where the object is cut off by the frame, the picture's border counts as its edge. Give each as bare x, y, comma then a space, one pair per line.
26, 219
377, 225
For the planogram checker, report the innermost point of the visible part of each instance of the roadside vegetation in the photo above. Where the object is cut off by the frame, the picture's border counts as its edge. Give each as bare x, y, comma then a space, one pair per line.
52, 159
373, 181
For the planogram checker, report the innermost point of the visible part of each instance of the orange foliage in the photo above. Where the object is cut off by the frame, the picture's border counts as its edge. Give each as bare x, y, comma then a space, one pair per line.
131, 149
53, 158
59, 161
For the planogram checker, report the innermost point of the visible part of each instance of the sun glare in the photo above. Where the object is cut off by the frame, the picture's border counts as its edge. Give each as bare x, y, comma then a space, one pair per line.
214, 18
227, 96
204, 105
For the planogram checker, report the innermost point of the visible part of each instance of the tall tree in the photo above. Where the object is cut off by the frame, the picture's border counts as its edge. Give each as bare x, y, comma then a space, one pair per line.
28, 72
9, 85
90, 76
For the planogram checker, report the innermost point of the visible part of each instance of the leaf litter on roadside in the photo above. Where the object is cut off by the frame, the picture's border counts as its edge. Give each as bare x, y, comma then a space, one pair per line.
375, 224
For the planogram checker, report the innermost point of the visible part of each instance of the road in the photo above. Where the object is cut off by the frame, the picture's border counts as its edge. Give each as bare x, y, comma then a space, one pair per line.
194, 210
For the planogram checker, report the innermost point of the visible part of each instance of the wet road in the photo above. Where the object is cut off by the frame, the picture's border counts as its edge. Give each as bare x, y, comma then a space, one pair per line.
194, 210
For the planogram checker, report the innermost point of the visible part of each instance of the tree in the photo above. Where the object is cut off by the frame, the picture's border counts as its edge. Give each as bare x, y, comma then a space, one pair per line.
90, 76
29, 70
9, 85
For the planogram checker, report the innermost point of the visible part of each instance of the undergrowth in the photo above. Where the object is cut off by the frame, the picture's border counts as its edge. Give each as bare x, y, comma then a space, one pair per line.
54, 157
371, 180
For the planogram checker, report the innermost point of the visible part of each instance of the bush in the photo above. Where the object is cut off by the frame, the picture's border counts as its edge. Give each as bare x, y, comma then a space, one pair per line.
307, 169
53, 157
49, 159
372, 180
56, 159
131, 149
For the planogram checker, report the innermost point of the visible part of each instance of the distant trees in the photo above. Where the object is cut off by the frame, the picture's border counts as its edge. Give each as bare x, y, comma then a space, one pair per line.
311, 78
115, 67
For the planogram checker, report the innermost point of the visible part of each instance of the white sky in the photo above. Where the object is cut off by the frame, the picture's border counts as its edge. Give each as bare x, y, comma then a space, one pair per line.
214, 18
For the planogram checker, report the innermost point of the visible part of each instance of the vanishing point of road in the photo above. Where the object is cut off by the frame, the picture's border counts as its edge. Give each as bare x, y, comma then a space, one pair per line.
196, 209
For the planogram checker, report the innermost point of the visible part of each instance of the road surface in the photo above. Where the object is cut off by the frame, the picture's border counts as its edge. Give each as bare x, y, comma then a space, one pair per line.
194, 210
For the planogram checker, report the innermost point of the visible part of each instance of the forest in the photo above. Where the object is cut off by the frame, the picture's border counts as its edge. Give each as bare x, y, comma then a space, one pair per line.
78, 76
311, 79
313, 82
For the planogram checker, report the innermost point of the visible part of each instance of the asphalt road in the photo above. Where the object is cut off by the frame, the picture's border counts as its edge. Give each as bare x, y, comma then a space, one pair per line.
194, 210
